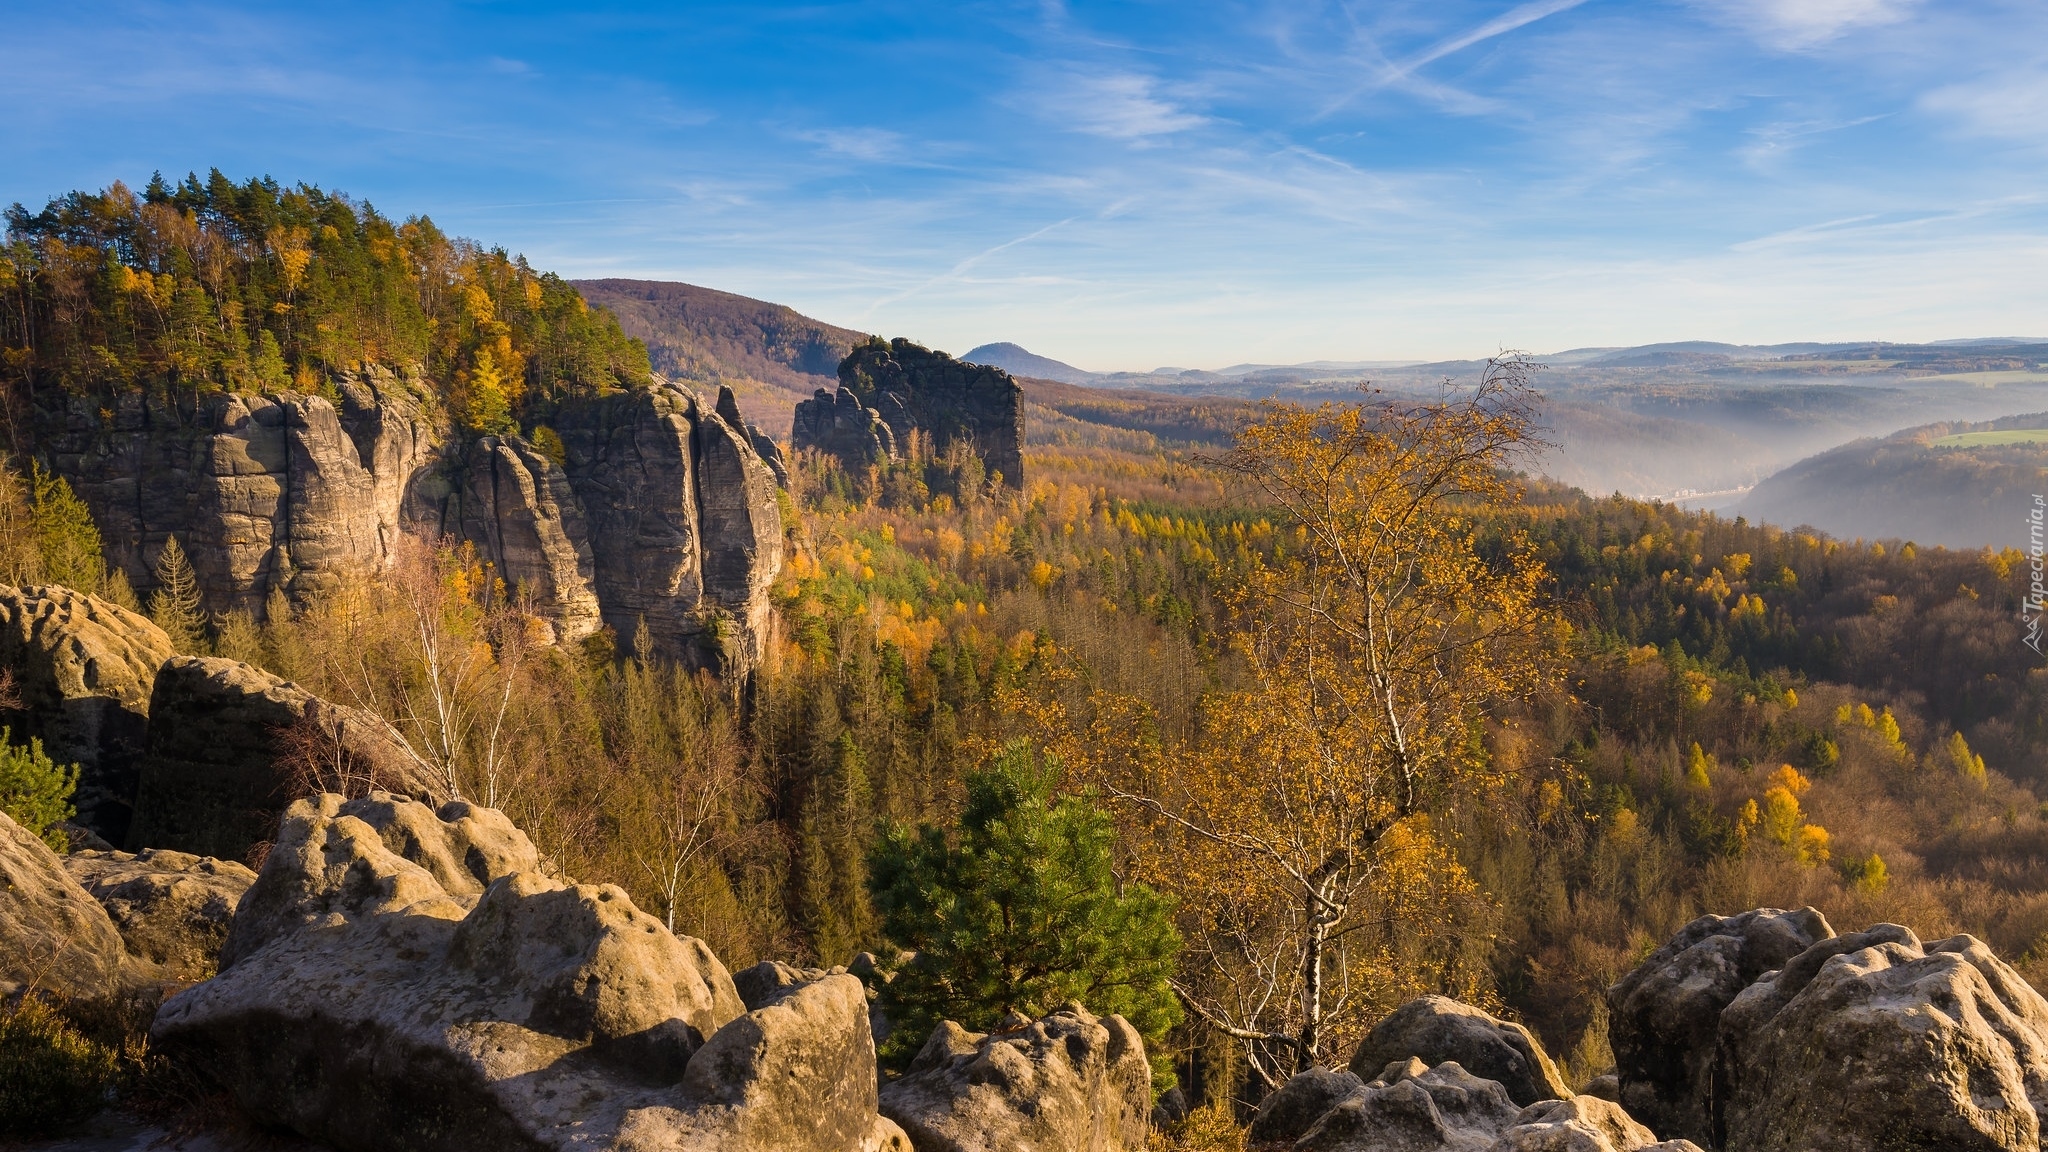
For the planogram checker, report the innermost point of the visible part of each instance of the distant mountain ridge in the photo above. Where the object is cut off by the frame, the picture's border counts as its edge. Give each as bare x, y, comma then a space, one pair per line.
1017, 361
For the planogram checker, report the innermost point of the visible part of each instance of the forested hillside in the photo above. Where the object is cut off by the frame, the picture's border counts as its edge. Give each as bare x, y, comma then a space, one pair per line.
1937, 484
771, 356
210, 285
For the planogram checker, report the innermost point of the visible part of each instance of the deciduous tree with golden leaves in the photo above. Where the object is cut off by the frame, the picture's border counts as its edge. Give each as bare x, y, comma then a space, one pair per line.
1377, 635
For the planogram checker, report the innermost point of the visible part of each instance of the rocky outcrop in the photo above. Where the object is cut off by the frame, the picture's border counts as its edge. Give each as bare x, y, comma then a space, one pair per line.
364, 1004
1664, 1017
742, 525
53, 935
664, 509
763, 444
231, 745
516, 506
171, 908
839, 425
1411, 1107
888, 389
83, 669
1066, 1081
1435, 1029
685, 530
264, 491
1873, 1041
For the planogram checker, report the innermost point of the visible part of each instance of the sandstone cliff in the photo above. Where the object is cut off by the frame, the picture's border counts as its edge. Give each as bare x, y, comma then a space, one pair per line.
888, 389
663, 511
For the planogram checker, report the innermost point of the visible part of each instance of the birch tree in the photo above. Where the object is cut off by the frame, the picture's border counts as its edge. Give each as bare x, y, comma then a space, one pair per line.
1376, 632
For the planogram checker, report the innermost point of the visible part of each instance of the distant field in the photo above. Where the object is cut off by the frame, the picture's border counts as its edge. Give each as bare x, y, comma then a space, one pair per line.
1991, 379
1981, 439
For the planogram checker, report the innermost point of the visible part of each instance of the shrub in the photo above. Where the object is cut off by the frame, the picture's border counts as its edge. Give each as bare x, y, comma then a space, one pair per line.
51, 1074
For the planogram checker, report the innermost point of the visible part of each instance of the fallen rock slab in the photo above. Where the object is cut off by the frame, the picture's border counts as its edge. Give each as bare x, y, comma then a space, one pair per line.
231, 745
1066, 1082
171, 908
363, 1003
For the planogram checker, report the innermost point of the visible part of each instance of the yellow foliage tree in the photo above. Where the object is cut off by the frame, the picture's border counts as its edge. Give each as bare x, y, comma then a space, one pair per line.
1698, 769
1781, 815
1967, 763
1298, 836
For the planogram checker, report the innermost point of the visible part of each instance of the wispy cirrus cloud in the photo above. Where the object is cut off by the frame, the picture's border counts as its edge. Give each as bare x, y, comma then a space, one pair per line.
2008, 104
1794, 25
871, 145
1117, 105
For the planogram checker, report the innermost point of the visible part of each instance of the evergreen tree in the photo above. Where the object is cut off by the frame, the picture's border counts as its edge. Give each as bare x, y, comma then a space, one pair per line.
65, 534
1017, 908
36, 791
832, 836
175, 606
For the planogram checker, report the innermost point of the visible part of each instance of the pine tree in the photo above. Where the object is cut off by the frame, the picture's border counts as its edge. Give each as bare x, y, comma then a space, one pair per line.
65, 534
1017, 908
35, 791
175, 606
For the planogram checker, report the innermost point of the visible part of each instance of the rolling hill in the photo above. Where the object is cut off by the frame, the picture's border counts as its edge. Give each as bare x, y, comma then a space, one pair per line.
772, 356
1910, 486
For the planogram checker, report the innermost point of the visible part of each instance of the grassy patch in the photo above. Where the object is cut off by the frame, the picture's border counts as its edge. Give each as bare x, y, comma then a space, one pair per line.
1987, 439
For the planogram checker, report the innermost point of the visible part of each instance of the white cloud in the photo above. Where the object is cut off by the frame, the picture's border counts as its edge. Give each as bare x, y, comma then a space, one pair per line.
2012, 105
1796, 24
1120, 105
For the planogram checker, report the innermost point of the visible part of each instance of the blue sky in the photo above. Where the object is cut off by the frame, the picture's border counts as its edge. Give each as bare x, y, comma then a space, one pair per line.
1136, 184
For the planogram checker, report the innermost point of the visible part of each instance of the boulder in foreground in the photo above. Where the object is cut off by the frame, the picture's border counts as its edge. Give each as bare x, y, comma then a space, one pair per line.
1873, 1040
1664, 1015
1434, 1029
171, 908
83, 670
364, 1003
53, 935
1067, 1081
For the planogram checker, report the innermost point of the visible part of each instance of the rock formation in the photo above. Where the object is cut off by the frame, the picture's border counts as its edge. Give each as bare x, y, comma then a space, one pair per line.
1411, 1107
516, 506
1663, 1017
364, 1003
888, 389
230, 745
1065, 1081
840, 426
664, 509
1872, 1041
83, 670
287, 491
685, 530
172, 909
1435, 1029
53, 935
